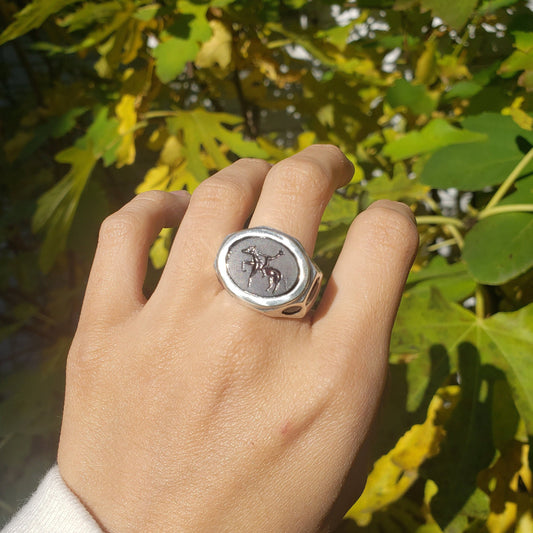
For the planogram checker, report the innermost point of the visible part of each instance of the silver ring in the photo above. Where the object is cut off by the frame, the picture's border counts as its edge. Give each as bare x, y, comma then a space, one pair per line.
268, 271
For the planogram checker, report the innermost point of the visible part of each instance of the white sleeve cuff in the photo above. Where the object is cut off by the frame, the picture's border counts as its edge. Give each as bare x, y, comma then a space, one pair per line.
53, 508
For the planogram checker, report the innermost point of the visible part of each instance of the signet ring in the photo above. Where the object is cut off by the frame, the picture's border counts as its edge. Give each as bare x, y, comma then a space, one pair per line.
269, 271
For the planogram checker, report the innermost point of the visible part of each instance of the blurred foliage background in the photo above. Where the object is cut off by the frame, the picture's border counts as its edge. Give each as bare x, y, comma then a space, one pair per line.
429, 98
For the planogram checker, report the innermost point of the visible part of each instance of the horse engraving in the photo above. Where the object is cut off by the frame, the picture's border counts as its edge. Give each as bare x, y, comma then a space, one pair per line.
260, 263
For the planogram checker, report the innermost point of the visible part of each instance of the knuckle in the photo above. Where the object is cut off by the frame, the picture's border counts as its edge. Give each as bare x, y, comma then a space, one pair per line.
252, 161
302, 174
154, 196
215, 192
117, 226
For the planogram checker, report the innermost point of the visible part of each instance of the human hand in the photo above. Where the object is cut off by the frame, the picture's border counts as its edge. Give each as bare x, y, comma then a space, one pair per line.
191, 412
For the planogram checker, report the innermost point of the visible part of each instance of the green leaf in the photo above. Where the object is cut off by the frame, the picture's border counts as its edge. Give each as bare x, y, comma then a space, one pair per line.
523, 193
522, 57
489, 6
32, 16
451, 279
206, 133
340, 210
56, 208
56, 127
171, 57
463, 89
455, 14
476, 165
181, 42
482, 351
102, 137
505, 340
400, 187
414, 97
147, 13
91, 13
468, 447
436, 134
379, 4
498, 248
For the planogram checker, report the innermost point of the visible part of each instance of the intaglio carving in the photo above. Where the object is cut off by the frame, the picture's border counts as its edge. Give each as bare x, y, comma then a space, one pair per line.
261, 263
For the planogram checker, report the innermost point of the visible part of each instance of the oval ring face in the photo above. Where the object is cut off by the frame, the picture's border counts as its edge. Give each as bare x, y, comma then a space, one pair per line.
262, 266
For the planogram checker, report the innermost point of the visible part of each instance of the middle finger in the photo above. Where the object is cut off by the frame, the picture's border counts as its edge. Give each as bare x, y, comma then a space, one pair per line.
297, 190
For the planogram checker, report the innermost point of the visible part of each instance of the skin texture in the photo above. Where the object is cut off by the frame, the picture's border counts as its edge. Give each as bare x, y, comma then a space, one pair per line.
189, 412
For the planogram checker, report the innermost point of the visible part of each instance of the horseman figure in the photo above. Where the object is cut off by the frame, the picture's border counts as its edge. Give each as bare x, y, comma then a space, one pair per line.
261, 263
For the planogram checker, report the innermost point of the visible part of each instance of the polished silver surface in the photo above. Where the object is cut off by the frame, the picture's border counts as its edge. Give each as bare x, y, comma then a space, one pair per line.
269, 271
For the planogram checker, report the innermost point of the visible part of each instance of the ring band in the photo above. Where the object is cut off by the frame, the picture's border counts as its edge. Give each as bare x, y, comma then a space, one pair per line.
268, 271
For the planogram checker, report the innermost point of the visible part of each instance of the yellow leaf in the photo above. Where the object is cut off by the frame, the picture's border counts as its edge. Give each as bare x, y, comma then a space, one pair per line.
510, 506
305, 139
160, 248
156, 178
525, 523
134, 40
127, 116
452, 68
426, 66
157, 139
172, 151
394, 473
518, 114
181, 178
217, 50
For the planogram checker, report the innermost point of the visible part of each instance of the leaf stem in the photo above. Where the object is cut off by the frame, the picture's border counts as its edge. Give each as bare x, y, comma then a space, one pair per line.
440, 220
511, 208
456, 235
480, 302
432, 203
441, 244
507, 184
158, 114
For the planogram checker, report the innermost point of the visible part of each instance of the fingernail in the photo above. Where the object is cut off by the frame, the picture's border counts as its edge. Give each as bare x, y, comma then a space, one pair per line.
399, 207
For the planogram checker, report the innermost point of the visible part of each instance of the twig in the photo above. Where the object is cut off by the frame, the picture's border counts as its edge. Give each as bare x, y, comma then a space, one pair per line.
440, 220
247, 112
511, 208
508, 183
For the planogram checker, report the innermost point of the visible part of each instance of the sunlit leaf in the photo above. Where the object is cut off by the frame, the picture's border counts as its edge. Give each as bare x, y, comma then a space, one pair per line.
436, 134
218, 49
127, 116
452, 280
476, 165
498, 248
504, 340
394, 473
56, 208
160, 248
400, 187
211, 134
181, 42
521, 59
